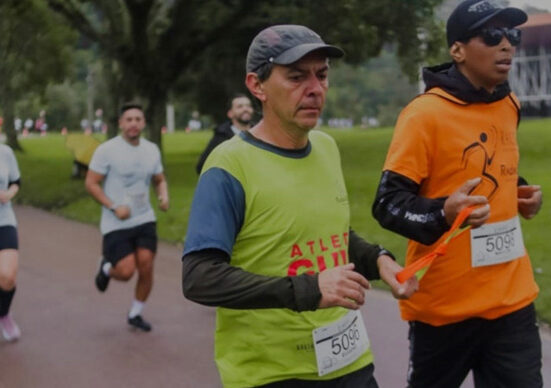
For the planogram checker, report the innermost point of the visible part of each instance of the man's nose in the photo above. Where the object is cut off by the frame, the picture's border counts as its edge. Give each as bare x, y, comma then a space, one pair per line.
505, 45
315, 85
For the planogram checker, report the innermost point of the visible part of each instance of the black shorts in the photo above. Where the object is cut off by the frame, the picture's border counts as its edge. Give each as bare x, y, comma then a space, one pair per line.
362, 378
502, 352
120, 243
8, 237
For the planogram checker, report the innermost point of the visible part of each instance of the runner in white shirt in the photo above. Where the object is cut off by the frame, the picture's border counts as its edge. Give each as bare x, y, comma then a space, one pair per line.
9, 256
119, 178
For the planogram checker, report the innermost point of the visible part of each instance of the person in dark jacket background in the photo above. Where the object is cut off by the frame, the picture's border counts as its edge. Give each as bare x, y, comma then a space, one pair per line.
240, 113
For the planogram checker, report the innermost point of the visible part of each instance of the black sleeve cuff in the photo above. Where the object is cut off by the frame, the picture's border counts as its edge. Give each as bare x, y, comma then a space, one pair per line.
307, 292
383, 251
522, 182
399, 208
365, 255
15, 182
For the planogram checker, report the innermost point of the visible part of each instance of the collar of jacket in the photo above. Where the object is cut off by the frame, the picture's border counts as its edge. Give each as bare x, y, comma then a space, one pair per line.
450, 79
224, 129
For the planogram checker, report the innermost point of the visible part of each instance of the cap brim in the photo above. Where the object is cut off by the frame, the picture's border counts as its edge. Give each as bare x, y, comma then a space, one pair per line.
513, 16
294, 54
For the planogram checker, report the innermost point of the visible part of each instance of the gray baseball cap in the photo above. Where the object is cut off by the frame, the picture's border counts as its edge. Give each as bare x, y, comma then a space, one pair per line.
286, 44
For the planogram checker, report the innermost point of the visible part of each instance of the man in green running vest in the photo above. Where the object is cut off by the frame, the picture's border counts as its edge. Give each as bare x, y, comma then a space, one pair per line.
269, 240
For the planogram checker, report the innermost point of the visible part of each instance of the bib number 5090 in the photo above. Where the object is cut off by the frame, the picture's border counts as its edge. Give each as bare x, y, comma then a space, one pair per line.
346, 340
340, 343
496, 243
500, 242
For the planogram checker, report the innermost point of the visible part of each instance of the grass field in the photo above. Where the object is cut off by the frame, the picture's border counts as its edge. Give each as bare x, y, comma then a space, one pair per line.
46, 169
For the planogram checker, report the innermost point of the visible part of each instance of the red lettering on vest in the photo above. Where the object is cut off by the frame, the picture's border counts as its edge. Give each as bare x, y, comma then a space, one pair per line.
296, 251
322, 247
295, 265
321, 263
345, 237
343, 256
335, 241
335, 258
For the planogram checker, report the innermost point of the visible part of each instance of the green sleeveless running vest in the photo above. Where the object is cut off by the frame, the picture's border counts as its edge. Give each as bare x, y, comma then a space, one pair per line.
296, 221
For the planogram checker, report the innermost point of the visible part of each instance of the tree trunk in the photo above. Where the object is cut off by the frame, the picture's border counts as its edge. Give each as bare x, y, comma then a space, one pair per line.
114, 97
155, 116
8, 126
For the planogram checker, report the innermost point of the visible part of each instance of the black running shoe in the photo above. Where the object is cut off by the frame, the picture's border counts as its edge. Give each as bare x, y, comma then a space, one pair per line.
139, 323
102, 280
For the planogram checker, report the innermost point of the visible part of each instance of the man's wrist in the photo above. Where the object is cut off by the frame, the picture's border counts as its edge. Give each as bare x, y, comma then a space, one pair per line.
113, 208
382, 258
384, 252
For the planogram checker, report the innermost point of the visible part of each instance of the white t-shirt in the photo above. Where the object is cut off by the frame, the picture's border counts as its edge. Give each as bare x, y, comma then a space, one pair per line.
128, 170
9, 172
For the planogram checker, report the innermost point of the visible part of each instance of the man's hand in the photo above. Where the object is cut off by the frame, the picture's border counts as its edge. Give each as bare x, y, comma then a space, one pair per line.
122, 212
163, 203
5, 196
460, 199
342, 286
530, 199
388, 269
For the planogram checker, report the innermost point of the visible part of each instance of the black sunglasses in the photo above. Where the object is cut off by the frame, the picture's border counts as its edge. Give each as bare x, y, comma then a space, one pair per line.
492, 36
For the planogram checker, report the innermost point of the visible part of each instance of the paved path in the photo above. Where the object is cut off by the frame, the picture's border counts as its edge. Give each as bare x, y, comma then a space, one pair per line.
74, 336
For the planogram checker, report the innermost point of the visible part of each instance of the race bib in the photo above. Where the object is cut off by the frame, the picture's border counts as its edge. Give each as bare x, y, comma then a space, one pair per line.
340, 343
497, 243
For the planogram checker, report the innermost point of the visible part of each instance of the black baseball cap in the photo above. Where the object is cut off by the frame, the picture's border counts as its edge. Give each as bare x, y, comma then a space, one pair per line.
472, 14
286, 44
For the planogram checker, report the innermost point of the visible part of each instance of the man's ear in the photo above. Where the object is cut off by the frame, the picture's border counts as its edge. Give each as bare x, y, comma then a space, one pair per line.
254, 85
457, 52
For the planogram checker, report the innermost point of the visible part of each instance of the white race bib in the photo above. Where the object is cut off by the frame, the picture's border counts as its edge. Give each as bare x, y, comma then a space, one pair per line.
340, 343
496, 243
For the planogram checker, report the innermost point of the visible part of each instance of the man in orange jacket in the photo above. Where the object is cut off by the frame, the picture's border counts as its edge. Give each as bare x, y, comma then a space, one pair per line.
455, 146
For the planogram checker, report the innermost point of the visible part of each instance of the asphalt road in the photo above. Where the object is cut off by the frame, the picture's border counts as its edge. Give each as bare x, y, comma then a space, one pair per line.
76, 337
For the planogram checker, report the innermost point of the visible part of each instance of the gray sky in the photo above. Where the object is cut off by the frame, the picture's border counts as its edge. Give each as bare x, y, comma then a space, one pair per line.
542, 4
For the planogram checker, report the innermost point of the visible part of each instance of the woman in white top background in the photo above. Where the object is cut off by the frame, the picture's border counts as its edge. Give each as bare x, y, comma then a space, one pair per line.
9, 256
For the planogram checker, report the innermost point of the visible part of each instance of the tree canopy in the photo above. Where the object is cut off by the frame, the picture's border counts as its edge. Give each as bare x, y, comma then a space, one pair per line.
161, 48
33, 50
374, 90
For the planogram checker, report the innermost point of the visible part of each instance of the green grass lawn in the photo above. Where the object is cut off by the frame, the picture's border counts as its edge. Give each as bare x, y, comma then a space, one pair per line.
46, 169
